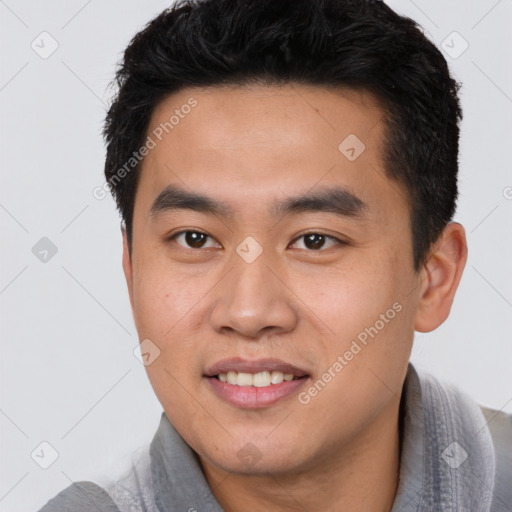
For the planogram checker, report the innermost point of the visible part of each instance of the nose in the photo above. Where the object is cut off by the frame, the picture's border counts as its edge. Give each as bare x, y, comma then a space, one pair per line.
254, 300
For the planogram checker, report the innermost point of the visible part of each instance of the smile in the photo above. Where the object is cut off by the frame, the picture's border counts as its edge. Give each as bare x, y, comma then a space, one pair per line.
255, 384
259, 380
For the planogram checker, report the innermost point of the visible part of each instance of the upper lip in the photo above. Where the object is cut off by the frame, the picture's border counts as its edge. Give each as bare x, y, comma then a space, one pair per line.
238, 364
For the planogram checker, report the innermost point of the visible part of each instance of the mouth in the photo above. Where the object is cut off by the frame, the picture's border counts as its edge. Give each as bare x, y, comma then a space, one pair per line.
255, 384
259, 380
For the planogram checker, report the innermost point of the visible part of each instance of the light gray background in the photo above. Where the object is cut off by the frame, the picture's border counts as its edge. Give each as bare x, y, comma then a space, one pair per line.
69, 376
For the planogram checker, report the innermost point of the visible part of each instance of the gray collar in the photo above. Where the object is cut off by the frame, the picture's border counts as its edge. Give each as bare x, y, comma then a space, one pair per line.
447, 459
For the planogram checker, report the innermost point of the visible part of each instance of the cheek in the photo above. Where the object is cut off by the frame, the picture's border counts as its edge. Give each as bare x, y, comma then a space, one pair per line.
348, 298
163, 297
163, 311
370, 319
166, 304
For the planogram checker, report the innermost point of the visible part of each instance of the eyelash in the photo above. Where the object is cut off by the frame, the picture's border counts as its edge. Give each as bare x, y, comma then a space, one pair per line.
339, 242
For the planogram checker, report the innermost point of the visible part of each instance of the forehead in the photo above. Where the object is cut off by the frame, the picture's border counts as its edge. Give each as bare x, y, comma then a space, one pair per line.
295, 116
247, 142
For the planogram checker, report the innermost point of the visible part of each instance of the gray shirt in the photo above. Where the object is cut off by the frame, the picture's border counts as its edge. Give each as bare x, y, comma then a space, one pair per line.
455, 456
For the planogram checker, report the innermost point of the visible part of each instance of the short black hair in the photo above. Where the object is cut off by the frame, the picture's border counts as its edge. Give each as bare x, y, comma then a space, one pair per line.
360, 44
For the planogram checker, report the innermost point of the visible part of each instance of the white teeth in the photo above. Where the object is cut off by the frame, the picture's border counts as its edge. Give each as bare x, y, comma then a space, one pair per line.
244, 379
259, 380
276, 377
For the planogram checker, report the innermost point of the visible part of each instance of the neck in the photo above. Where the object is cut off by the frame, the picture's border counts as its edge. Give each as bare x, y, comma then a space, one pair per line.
360, 475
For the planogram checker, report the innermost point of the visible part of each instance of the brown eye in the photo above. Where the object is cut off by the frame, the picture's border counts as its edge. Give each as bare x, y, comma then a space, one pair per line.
317, 241
314, 241
191, 239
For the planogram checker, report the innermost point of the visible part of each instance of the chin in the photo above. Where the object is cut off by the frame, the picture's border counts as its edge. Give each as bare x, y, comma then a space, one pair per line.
257, 454
251, 460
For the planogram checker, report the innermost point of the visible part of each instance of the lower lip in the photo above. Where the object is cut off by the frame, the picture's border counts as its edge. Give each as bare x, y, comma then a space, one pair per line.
252, 397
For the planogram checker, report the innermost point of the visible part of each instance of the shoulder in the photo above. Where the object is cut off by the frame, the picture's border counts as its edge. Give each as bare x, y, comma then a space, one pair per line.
500, 427
81, 497
130, 487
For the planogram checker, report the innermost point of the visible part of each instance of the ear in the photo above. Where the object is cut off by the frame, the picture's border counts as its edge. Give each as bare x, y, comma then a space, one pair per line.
127, 265
440, 278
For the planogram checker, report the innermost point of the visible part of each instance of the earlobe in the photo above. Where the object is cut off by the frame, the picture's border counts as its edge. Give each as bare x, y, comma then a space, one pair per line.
127, 265
440, 278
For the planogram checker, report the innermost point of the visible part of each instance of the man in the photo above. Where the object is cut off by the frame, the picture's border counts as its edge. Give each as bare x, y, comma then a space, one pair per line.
287, 177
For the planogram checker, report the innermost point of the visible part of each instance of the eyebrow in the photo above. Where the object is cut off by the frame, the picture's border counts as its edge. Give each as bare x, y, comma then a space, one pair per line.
335, 200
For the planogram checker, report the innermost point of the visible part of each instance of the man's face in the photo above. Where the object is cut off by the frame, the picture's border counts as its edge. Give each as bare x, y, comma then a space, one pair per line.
305, 262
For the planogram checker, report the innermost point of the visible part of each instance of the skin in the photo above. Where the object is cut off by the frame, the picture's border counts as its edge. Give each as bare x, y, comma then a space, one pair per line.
250, 147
